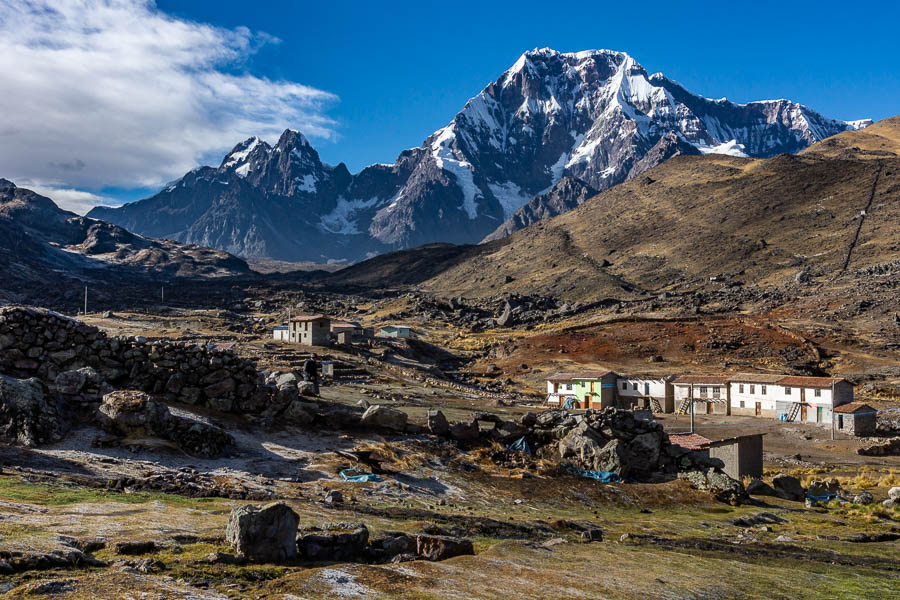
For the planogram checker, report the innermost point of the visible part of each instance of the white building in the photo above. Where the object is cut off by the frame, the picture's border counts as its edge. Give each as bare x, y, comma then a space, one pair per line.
787, 397
754, 394
646, 391
395, 331
709, 393
280, 332
560, 387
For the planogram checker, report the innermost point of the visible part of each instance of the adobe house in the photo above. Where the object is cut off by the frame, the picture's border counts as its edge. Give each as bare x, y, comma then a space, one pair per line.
311, 330
709, 394
741, 455
855, 418
648, 392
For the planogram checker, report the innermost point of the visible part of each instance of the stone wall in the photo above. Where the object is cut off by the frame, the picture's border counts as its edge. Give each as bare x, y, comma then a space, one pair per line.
80, 362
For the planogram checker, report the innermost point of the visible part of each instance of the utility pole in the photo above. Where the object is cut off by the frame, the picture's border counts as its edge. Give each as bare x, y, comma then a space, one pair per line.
832, 410
85, 300
692, 408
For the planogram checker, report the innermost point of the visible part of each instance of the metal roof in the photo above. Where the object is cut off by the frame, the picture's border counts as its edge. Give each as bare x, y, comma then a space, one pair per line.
755, 378
853, 407
810, 382
707, 379
578, 375
302, 318
691, 441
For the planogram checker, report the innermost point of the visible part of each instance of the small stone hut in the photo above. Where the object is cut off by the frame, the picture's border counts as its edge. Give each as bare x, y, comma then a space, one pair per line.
855, 418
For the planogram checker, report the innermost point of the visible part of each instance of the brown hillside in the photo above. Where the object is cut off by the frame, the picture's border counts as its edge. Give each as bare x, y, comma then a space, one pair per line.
693, 218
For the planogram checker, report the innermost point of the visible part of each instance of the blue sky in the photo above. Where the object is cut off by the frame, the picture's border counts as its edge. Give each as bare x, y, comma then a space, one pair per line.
404, 70
383, 76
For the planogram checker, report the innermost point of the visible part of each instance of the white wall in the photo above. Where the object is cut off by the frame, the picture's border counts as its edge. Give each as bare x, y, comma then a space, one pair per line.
657, 387
767, 401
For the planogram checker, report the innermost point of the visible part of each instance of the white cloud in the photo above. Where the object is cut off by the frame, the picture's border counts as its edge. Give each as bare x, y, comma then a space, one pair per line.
98, 93
78, 201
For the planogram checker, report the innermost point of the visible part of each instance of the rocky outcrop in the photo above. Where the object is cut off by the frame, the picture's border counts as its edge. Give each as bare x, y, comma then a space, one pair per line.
263, 533
720, 485
440, 547
28, 414
788, 487
135, 415
39, 343
338, 541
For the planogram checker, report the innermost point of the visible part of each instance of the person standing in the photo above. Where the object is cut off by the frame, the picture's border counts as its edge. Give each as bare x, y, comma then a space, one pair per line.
311, 372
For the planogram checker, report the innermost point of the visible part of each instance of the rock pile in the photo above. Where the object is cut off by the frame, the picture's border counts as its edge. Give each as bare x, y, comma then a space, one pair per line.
133, 415
269, 534
55, 349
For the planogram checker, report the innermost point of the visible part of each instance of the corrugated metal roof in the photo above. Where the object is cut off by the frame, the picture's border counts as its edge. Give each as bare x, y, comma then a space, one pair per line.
811, 382
709, 379
302, 318
578, 375
755, 378
853, 407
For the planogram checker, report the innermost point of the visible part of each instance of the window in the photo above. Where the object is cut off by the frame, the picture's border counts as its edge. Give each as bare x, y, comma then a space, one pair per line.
762, 390
646, 389
702, 391
752, 389
715, 391
634, 386
624, 385
787, 391
741, 388
840, 421
742, 404
817, 393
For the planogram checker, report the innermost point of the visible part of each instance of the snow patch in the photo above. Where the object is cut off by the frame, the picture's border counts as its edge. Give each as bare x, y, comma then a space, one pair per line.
461, 169
342, 219
731, 148
242, 170
237, 157
859, 124
307, 183
510, 196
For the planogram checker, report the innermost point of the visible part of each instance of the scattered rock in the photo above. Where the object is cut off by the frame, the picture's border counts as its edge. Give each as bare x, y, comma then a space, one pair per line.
758, 487
723, 487
135, 547
437, 423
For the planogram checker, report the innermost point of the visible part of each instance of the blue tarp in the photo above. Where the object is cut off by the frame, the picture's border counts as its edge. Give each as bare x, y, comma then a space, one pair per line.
601, 476
570, 402
520, 445
826, 497
348, 475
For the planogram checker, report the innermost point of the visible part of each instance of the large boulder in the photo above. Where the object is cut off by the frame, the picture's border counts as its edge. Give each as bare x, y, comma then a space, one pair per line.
440, 547
437, 423
335, 542
720, 485
28, 415
465, 431
384, 417
758, 487
788, 487
263, 533
136, 415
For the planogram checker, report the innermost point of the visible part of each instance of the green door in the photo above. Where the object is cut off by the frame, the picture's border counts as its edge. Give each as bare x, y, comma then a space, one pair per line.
818, 414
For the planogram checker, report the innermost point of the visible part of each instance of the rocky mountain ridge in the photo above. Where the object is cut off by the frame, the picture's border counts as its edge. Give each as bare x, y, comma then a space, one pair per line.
42, 245
595, 116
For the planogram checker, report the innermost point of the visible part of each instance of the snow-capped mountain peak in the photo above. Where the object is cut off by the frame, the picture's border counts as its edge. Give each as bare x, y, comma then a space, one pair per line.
553, 125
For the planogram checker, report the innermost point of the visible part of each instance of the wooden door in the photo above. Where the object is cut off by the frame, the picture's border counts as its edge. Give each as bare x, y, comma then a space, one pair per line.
802, 412
759, 409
